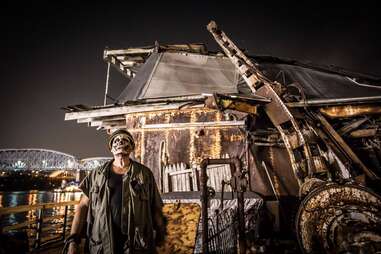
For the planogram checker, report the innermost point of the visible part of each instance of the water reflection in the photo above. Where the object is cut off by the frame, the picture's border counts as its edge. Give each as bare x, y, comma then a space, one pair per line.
12, 199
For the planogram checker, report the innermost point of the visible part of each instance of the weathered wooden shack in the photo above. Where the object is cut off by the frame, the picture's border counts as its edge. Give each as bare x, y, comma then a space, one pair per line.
300, 132
164, 107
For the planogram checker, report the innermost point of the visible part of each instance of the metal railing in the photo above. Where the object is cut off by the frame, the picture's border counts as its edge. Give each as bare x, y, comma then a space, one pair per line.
44, 223
222, 232
238, 184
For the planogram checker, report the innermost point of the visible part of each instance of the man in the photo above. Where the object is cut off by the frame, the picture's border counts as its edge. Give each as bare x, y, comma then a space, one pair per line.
121, 205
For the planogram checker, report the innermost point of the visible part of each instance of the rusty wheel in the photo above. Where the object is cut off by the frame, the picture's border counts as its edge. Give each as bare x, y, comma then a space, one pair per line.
340, 219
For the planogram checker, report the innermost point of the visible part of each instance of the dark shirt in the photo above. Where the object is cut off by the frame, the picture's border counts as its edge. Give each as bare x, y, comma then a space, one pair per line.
115, 184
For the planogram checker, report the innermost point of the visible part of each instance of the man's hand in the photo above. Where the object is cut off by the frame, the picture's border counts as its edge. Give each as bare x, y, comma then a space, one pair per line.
78, 223
73, 248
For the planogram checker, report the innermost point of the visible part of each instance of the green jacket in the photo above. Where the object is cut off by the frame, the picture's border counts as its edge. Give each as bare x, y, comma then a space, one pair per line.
141, 209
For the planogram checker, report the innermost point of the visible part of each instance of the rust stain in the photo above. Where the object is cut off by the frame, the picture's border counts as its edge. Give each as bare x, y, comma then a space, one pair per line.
216, 148
171, 112
196, 142
236, 137
166, 134
138, 142
276, 185
192, 133
332, 207
350, 110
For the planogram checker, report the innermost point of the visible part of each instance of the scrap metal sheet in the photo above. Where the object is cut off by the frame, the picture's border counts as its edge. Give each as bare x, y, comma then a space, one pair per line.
183, 219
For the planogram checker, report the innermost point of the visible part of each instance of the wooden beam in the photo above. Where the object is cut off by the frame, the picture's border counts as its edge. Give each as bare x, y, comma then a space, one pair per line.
339, 141
334, 102
112, 111
364, 133
108, 118
112, 128
350, 110
95, 123
107, 123
127, 64
135, 59
127, 51
26, 208
156, 127
85, 120
195, 124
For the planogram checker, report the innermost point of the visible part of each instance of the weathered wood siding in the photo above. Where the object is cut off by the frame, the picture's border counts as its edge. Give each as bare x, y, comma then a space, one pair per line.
189, 145
166, 145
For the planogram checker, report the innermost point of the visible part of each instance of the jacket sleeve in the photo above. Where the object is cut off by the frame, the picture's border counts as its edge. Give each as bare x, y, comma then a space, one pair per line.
159, 221
85, 185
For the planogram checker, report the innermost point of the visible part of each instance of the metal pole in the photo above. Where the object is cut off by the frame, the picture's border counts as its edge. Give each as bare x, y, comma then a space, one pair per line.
64, 223
240, 188
241, 223
37, 242
107, 81
204, 206
270, 180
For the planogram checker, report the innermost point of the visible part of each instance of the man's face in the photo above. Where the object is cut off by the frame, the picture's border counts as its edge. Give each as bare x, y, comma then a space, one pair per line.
121, 145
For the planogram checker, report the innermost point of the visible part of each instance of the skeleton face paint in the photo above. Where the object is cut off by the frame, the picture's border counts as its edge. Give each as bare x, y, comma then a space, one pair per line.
121, 144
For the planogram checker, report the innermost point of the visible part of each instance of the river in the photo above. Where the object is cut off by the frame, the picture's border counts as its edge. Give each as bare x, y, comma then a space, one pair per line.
17, 198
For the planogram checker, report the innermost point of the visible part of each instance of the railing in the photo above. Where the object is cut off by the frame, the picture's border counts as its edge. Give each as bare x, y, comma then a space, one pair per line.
222, 233
239, 184
47, 222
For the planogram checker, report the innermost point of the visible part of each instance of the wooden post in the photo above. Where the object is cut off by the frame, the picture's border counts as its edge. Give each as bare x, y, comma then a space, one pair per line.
40, 216
204, 206
64, 223
107, 82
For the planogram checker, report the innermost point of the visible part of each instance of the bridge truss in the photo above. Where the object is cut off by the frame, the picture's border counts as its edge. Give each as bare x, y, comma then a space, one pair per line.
44, 159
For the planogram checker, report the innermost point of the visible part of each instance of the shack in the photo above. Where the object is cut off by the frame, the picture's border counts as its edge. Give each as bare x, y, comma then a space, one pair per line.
298, 144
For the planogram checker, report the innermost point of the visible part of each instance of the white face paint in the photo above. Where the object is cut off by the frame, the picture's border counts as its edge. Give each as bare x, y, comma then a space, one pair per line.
121, 145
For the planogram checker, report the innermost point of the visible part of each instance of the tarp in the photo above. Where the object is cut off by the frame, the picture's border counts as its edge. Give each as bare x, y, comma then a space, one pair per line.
171, 74
178, 74
321, 85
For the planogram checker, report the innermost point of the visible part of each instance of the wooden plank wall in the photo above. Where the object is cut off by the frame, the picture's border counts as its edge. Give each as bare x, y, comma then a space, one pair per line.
178, 177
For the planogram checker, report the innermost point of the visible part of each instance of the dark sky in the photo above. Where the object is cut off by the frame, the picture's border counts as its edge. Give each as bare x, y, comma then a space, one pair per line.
52, 54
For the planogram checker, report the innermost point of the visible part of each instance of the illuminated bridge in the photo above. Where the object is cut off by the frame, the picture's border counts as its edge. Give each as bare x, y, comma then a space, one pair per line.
44, 159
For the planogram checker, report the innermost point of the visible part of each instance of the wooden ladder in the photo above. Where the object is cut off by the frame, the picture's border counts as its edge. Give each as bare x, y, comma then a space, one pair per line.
298, 149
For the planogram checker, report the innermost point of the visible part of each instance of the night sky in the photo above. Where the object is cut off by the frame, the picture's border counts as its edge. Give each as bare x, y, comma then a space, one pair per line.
52, 55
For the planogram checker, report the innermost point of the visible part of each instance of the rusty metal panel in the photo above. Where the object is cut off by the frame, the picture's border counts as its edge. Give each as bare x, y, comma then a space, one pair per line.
350, 110
150, 150
232, 142
182, 227
137, 120
366, 133
273, 108
280, 171
191, 145
188, 145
